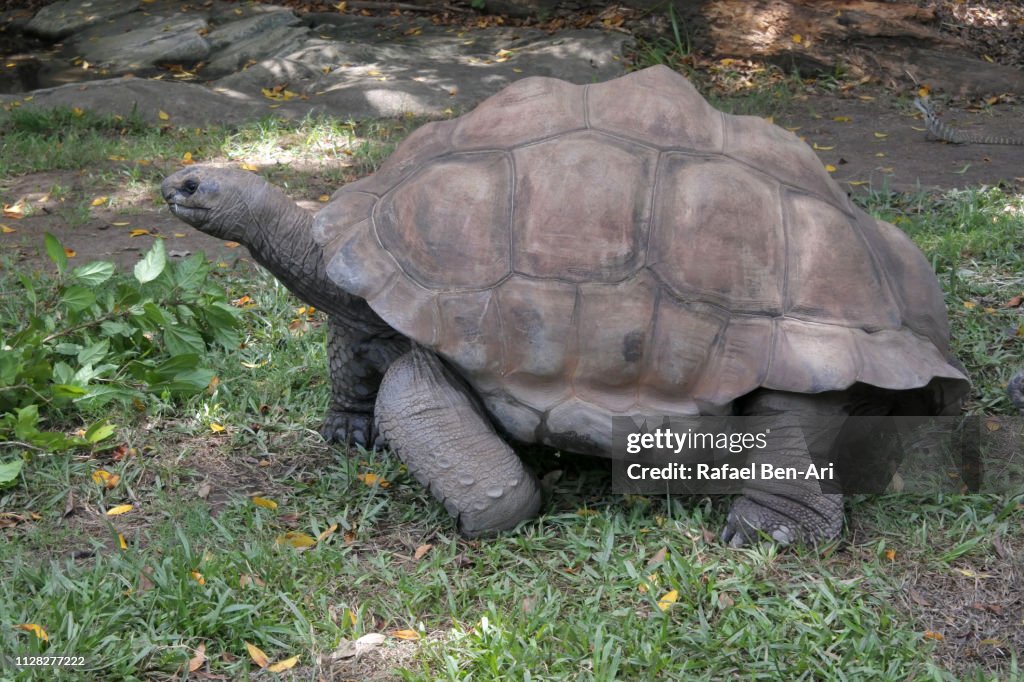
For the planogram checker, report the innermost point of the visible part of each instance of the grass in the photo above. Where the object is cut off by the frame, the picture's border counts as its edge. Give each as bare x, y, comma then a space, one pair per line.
921, 588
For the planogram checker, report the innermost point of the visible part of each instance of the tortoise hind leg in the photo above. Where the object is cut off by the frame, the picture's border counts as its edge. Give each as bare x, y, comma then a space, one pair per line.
435, 425
804, 428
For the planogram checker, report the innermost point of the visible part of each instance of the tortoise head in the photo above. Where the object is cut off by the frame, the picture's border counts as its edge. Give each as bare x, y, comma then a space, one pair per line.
223, 202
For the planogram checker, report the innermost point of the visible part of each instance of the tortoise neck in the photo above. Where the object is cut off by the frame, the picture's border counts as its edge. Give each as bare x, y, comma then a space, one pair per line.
284, 245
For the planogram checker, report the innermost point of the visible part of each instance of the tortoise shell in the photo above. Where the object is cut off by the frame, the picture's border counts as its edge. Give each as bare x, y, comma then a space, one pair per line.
623, 248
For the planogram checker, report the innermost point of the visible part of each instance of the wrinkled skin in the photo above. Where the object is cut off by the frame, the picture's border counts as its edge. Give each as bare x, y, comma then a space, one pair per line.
239, 206
387, 389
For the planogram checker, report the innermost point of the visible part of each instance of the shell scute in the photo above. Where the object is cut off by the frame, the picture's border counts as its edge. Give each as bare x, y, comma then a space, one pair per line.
447, 225
529, 110
649, 106
582, 207
718, 234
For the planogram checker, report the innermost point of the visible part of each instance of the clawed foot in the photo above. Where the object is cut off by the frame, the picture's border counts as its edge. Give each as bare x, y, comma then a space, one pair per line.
351, 428
750, 522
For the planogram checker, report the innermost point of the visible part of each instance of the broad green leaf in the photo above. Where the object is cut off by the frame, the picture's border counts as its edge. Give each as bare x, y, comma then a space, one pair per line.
62, 373
94, 353
191, 272
68, 348
182, 340
52, 441
9, 471
220, 318
99, 431
55, 250
193, 381
94, 273
157, 315
27, 422
152, 264
69, 391
116, 328
78, 298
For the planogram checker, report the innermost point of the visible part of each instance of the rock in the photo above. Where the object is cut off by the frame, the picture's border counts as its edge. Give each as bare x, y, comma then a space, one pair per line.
185, 103
245, 29
349, 66
162, 39
274, 42
69, 16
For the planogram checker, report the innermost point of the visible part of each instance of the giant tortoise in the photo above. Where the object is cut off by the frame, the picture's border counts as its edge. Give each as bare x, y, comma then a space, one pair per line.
564, 254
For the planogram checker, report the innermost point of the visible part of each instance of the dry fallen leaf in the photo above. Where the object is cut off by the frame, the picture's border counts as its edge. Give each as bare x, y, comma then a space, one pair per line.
410, 635
421, 551
327, 533
15, 211
286, 664
6, 230
249, 167
821, 148
216, 428
119, 509
99, 201
105, 478
264, 502
257, 655
122, 543
890, 554
668, 599
296, 539
658, 557
841, 119
830, 168
163, 115
197, 661
36, 630
373, 479
198, 577
138, 232
651, 581
937, 636
968, 573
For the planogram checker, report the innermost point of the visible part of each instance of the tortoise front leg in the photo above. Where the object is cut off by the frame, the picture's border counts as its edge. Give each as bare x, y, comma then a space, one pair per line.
357, 360
435, 424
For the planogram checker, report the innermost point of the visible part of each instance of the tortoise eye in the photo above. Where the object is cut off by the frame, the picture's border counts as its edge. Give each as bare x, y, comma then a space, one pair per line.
190, 186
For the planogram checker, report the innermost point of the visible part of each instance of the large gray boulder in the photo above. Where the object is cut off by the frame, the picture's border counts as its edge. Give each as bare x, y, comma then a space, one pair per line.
69, 16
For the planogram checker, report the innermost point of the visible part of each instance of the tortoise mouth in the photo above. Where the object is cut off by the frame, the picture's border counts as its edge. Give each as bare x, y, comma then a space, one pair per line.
190, 214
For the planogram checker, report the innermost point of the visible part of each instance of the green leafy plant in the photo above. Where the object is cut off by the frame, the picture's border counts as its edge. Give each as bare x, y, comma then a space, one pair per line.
91, 336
